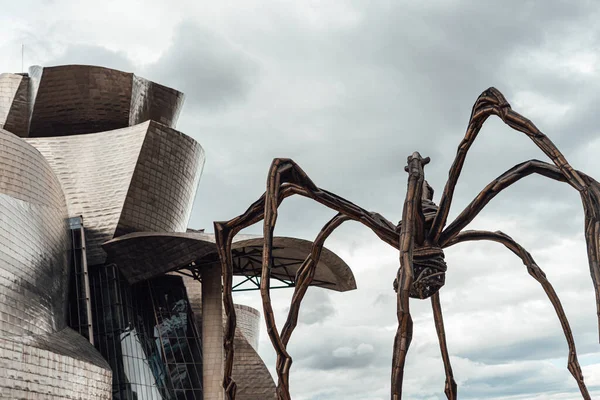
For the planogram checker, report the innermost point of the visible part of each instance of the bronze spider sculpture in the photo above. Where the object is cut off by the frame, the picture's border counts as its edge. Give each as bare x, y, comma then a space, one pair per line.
420, 238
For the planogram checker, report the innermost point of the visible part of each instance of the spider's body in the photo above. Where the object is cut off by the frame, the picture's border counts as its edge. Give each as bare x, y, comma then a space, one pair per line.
429, 272
420, 239
429, 266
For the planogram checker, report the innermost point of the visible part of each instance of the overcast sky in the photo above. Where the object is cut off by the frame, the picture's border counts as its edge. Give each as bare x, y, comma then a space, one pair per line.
349, 89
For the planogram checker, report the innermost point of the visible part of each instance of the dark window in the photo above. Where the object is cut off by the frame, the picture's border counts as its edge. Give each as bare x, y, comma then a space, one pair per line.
147, 333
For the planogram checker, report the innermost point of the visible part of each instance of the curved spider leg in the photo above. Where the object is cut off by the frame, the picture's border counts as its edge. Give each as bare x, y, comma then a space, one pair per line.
224, 234
223, 238
450, 387
304, 277
591, 205
292, 180
306, 273
492, 102
503, 181
286, 171
412, 217
536, 272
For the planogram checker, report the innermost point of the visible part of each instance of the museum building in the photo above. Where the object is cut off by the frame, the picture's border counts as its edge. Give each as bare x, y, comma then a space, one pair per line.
105, 292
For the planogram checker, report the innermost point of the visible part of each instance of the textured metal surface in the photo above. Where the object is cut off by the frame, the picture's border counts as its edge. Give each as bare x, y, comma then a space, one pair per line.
14, 103
78, 99
74, 99
59, 366
253, 379
141, 178
143, 255
152, 101
164, 184
95, 172
39, 358
248, 322
33, 241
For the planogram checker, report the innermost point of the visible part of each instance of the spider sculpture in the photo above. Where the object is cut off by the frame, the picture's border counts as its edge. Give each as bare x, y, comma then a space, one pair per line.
420, 238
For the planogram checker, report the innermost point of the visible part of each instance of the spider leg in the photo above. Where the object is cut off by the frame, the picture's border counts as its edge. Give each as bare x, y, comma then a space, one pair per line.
450, 387
492, 102
412, 216
305, 275
536, 272
286, 178
590, 197
224, 234
509, 177
304, 278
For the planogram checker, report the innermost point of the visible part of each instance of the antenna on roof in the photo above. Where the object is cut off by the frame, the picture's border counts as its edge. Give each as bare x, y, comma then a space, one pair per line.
22, 57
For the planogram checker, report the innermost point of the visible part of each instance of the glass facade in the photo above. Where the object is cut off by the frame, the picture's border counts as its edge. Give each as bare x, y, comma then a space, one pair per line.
78, 307
147, 334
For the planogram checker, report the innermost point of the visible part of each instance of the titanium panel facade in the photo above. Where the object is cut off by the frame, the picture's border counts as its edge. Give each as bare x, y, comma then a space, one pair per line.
78, 99
164, 183
75, 99
141, 178
248, 320
14, 103
151, 101
33, 254
59, 366
98, 145
39, 356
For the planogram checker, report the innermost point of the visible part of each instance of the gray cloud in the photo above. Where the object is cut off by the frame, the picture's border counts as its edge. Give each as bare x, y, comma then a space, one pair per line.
317, 307
93, 55
211, 70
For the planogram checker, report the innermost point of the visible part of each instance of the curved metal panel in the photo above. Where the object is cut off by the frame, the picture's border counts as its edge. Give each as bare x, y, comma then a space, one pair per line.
141, 178
142, 255
33, 241
78, 99
253, 379
164, 184
38, 355
95, 172
151, 101
248, 321
62, 365
14, 103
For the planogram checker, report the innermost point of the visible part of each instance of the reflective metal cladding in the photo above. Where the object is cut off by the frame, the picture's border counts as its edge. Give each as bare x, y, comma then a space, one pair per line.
96, 144
140, 178
90, 163
34, 247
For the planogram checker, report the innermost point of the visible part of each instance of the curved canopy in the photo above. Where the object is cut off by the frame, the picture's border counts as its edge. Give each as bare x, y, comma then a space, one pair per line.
142, 255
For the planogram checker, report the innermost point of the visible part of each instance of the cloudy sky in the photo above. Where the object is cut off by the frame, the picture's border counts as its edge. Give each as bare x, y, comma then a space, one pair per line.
349, 89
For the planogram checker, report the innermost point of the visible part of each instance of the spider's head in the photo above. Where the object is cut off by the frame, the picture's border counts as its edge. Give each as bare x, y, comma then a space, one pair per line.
416, 162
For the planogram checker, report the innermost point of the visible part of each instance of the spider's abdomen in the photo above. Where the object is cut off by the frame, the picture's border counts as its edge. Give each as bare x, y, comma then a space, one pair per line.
429, 272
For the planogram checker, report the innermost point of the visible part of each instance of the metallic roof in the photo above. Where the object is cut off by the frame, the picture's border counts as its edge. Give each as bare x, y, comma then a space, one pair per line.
142, 255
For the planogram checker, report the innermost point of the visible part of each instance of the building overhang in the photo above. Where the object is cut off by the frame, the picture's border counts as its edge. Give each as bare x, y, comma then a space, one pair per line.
143, 255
